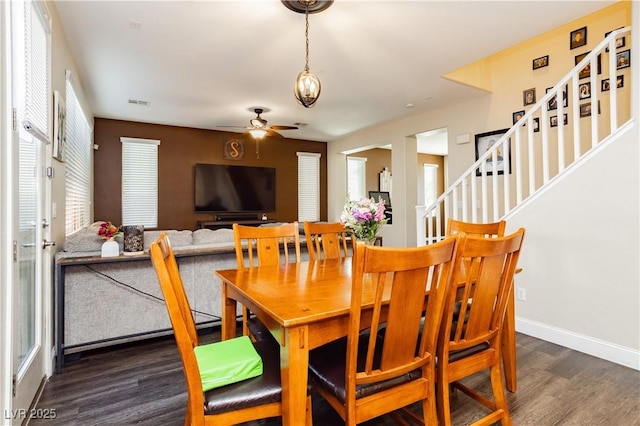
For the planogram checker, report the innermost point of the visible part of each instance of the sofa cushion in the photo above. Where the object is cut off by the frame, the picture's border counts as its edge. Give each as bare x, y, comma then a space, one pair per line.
86, 239
209, 236
177, 238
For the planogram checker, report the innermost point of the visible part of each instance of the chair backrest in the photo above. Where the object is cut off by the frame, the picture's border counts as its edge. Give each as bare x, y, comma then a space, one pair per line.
327, 240
400, 279
182, 321
480, 292
495, 229
266, 245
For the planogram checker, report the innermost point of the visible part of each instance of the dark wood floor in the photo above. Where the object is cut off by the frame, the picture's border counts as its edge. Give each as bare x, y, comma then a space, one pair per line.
143, 384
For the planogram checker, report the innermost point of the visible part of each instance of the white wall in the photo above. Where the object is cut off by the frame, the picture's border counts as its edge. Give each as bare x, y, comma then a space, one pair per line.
571, 299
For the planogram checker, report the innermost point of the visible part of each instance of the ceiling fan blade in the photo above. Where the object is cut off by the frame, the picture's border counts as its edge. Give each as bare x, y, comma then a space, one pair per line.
283, 128
273, 133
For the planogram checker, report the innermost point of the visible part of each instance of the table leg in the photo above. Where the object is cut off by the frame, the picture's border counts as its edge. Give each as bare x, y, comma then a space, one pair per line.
294, 363
228, 326
509, 345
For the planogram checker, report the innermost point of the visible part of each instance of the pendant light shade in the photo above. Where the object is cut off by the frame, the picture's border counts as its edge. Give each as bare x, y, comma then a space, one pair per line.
307, 89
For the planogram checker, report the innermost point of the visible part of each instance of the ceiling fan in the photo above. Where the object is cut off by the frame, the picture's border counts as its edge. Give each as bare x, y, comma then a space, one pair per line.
259, 128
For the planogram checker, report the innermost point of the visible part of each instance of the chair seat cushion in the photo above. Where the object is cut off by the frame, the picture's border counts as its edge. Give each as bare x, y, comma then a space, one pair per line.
258, 330
226, 362
259, 390
327, 366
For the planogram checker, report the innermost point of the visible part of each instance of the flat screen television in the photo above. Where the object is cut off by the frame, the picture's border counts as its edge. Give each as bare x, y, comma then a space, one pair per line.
226, 188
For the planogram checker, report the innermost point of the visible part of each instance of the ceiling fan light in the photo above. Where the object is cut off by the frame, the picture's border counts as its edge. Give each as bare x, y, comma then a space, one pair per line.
307, 89
258, 133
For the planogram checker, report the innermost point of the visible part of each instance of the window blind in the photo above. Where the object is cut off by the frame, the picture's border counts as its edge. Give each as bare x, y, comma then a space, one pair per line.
140, 182
77, 154
37, 50
308, 186
356, 178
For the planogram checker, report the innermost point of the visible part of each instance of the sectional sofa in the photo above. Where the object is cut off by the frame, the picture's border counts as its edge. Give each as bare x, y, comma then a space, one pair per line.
106, 301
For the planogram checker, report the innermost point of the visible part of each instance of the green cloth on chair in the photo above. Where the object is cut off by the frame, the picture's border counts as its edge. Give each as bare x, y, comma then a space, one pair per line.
226, 362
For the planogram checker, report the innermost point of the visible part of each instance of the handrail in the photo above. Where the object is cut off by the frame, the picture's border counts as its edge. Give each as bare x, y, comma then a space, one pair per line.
500, 188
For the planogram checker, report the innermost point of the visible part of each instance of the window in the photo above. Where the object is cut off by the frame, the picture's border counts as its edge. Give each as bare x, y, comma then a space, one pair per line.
140, 182
308, 186
77, 154
430, 184
356, 178
31, 30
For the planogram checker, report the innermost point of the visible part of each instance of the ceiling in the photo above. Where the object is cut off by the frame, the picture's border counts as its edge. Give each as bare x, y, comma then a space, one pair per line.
206, 64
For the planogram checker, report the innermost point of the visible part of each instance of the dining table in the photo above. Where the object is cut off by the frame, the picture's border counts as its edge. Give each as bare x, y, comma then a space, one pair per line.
304, 305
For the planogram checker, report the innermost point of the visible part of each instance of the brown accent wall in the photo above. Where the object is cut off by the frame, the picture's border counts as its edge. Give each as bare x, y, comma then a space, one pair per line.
180, 149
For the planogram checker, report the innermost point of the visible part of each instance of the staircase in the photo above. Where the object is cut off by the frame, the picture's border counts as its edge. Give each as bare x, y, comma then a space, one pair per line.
554, 136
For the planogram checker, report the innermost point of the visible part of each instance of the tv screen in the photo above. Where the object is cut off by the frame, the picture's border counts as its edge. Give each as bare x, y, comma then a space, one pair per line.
224, 188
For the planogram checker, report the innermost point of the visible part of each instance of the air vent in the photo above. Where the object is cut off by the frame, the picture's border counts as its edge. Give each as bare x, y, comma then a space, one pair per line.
139, 102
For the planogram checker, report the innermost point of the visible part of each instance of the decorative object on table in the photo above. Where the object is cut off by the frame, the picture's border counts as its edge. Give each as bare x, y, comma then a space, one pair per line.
541, 62
484, 142
364, 218
133, 239
108, 232
529, 96
578, 38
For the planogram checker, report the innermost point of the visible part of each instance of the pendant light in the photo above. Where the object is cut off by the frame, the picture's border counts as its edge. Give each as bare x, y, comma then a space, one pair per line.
307, 86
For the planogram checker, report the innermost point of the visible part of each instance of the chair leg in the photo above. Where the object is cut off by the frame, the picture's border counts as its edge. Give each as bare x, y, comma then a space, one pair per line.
443, 393
499, 393
309, 412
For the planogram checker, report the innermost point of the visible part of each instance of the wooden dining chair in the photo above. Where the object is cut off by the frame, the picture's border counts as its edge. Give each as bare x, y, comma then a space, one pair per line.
483, 281
268, 245
493, 229
364, 376
327, 240
251, 399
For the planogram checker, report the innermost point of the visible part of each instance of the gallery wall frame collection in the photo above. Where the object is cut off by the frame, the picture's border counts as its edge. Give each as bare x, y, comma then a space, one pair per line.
577, 38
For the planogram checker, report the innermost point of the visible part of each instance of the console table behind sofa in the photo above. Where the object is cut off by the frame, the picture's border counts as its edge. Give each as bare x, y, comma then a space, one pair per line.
106, 301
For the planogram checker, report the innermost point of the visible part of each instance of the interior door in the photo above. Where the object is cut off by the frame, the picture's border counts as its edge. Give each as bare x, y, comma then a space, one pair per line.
30, 274
28, 308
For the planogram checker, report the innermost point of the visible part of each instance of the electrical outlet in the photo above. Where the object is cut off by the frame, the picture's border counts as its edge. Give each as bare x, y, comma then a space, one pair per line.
521, 294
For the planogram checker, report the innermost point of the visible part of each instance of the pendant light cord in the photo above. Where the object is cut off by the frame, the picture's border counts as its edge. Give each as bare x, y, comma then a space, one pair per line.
306, 35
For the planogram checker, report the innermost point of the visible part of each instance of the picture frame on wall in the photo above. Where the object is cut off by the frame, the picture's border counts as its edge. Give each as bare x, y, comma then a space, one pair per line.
516, 116
619, 82
620, 41
605, 85
586, 71
529, 96
623, 59
553, 120
584, 91
536, 124
59, 126
540, 62
585, 109
553, 102
484, 141
578, 38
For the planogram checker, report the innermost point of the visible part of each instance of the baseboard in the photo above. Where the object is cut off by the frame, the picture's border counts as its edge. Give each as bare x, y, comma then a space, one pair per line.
595, 347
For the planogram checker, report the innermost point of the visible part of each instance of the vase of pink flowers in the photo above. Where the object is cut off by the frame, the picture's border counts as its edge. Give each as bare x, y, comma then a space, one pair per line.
108, 232
364, 218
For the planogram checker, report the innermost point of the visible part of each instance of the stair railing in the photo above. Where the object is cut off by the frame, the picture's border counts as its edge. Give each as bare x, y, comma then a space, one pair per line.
495, 185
